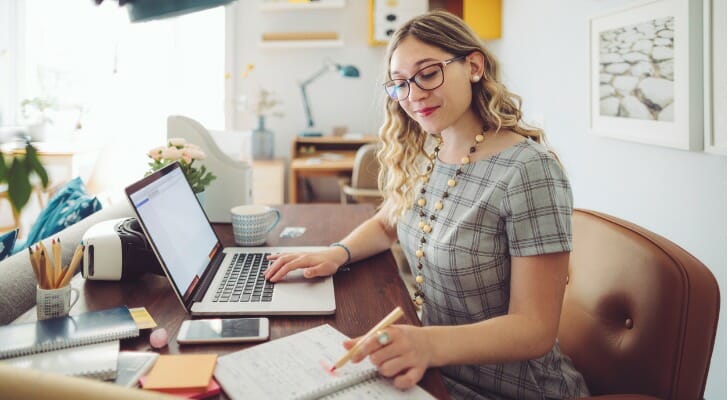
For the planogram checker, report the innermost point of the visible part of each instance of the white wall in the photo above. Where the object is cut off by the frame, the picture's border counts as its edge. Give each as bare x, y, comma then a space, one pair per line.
544, 55
334, 100
678, 194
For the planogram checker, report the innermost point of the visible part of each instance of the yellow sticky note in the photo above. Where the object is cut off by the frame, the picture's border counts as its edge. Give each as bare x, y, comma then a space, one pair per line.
142, 318
181, 371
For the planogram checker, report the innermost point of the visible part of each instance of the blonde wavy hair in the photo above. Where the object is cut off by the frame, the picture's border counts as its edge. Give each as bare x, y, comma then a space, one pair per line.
403, 153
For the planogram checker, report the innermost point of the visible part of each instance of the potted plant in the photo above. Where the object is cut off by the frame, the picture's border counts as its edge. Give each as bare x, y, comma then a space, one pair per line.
177, 149
35, 113
16, 172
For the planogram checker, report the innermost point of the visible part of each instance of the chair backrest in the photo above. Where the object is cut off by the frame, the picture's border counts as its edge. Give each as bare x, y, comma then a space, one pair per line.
364, 175
640, 313
233, 184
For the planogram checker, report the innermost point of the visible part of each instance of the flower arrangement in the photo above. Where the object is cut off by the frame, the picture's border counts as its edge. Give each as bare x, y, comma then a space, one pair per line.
261, 104
186, 154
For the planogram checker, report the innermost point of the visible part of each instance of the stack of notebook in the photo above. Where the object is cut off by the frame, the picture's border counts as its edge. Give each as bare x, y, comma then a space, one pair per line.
80, 345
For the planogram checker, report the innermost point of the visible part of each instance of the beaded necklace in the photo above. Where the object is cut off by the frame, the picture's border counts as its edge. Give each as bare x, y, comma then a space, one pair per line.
426, 221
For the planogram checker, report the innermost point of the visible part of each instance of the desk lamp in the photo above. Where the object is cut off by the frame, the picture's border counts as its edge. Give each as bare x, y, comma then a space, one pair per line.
347, 71
147, 10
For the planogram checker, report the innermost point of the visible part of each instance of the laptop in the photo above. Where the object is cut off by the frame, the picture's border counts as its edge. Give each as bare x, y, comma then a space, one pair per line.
207, 278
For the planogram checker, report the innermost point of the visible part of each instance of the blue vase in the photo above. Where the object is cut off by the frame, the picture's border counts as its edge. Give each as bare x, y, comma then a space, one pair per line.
262, 141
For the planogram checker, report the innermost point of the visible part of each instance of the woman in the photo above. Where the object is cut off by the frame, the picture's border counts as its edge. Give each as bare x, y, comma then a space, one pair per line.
483, 214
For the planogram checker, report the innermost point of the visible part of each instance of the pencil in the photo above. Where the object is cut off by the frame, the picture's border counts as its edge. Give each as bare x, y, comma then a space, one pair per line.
43, 269
75, 262
388, 320
57, 264
47, 265
34, 264
73, 267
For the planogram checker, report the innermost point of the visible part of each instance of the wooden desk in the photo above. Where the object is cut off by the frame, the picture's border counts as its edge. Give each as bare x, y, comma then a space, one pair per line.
62, 161
322, 156
365, 292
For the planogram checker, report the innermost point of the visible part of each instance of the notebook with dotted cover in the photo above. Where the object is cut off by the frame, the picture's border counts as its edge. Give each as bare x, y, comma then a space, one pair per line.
296, 367
69, 331
97, 361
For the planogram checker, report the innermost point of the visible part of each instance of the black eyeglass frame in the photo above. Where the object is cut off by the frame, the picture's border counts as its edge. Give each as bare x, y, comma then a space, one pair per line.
410, 80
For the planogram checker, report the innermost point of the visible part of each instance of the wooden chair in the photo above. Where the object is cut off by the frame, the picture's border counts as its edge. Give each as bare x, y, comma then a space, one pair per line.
362, 187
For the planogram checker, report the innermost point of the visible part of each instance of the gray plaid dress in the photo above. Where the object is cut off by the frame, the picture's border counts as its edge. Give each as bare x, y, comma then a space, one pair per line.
515, 203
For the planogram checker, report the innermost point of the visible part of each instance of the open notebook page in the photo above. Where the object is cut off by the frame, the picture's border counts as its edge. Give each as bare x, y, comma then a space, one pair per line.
296, 367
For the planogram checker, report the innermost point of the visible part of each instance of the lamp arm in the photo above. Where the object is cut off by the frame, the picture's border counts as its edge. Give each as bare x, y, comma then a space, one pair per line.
316, 75
306, 106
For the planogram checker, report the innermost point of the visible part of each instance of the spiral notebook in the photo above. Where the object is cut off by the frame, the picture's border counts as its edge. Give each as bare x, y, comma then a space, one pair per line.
297, 367
98, 361
69, 331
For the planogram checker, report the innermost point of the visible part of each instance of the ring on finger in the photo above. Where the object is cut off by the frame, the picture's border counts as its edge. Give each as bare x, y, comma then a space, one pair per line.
383, 338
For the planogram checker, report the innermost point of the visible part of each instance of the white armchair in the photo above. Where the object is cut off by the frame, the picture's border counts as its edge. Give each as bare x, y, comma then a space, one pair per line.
233, 185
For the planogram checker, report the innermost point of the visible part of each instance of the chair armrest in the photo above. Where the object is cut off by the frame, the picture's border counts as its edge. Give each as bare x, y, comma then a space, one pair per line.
361, 192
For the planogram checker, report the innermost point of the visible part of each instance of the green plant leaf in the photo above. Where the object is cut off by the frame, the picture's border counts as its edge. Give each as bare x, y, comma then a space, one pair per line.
3, 169
18, 184
33, 164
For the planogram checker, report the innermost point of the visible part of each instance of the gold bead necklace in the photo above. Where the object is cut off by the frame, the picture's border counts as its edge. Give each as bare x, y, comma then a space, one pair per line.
425, 224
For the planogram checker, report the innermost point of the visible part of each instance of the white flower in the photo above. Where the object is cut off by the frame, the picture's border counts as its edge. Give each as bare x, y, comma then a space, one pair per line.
156, 153
186, 156
177, 142
197, 154
172, 153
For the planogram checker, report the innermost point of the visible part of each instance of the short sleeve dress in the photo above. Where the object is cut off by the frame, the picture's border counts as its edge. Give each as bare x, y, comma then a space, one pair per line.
515, 203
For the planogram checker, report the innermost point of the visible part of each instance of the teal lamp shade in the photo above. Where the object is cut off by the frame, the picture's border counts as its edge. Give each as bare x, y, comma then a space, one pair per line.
147, 10
348, 71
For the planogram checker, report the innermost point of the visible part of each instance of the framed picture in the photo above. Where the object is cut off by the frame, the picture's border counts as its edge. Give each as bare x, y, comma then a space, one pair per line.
646, 74
714, 73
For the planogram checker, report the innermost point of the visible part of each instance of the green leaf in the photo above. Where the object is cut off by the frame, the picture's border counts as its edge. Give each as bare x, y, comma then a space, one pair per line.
3, 169
18, 184
34, 165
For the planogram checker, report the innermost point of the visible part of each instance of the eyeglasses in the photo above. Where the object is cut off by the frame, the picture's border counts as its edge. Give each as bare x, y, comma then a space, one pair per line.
430, 77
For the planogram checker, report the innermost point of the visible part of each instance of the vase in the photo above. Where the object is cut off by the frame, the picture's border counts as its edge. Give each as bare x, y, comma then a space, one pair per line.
262, 141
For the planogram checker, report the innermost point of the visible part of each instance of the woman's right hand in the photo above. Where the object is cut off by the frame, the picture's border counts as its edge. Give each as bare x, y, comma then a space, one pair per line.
314, 264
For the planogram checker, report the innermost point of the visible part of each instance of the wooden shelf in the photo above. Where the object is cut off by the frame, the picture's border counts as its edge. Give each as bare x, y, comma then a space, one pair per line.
316, 5
287, 44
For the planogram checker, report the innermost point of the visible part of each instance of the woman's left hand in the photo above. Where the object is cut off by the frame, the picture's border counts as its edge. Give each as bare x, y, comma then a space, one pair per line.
404, 357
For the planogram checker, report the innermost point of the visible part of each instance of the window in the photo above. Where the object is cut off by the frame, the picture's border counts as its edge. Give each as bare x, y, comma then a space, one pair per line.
115, 80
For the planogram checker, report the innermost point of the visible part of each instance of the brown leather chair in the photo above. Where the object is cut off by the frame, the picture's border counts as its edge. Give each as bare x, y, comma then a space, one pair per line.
640, 313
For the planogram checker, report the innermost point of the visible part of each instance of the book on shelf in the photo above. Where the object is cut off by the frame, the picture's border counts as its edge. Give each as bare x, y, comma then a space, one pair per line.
68, 331
297, 367
273, 36
98, 361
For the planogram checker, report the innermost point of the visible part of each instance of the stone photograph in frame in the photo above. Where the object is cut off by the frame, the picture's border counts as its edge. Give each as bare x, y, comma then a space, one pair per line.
646, 74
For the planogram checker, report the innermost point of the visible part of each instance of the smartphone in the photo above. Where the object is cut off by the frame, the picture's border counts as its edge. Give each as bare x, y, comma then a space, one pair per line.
223, 330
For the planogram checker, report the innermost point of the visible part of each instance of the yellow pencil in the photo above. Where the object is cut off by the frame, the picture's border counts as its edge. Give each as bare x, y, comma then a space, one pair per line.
34, 264
73, 267
47, 265
57, 264
388, 320
43, 269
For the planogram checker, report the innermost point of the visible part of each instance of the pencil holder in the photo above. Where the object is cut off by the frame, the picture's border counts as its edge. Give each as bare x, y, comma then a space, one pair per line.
51, 303
252, 223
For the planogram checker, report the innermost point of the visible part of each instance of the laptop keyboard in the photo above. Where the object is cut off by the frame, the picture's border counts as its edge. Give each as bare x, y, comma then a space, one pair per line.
244, 281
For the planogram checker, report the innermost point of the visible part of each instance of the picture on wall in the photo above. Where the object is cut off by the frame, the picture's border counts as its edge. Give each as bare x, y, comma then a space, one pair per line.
636, 64
646, 74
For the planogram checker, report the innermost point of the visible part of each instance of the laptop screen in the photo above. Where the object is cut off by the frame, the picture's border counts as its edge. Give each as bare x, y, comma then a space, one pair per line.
177, 226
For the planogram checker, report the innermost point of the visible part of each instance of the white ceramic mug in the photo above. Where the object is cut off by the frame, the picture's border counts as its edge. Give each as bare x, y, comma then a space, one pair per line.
251, 223
51, 303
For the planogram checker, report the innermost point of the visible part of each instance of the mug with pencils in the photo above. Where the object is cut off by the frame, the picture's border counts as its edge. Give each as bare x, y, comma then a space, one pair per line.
53, 292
